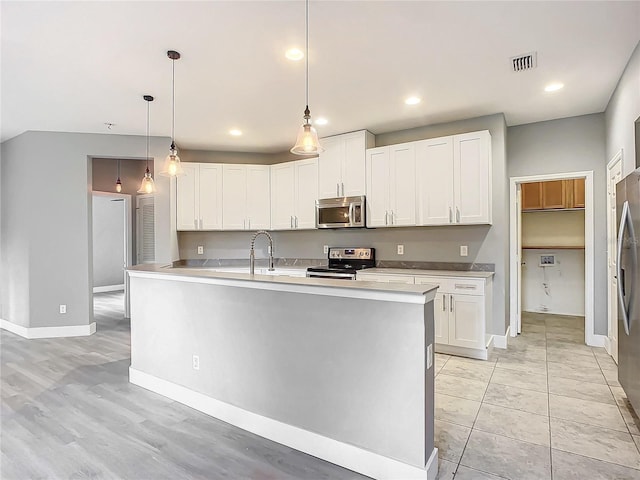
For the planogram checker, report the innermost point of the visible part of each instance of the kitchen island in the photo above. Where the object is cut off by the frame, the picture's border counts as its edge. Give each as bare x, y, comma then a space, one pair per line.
340, 370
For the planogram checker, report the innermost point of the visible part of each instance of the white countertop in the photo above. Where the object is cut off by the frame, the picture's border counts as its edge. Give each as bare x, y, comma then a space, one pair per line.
430, 273
317, 286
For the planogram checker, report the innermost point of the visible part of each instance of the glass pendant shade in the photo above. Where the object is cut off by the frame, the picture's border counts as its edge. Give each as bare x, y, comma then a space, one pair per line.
147, 185
118, 185
307, 142
172, 166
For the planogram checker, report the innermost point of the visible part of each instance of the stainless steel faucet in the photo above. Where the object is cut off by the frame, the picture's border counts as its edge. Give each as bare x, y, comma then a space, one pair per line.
252, 254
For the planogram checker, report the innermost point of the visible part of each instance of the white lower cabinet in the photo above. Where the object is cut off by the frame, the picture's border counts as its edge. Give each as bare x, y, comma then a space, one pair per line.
461, 308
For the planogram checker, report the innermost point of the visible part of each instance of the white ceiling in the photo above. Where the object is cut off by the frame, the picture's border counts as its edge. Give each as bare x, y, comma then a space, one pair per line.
72, 66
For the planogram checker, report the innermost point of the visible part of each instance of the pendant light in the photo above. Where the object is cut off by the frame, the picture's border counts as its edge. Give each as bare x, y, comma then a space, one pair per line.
118, 182
172, 166
147, 185
307, 142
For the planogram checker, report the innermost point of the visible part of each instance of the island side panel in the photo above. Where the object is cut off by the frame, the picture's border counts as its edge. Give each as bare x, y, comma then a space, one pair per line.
349, 369
429, 382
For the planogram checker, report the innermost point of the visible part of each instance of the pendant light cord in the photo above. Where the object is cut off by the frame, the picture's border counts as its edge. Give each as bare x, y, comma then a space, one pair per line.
307, 48
148, 119
118, 168
173, 101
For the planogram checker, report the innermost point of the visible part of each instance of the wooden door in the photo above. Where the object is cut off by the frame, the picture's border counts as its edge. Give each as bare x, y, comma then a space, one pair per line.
578, 193
554, 194
531, 196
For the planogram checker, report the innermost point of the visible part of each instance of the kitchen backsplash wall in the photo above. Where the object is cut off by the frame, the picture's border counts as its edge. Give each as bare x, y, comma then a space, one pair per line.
427, 244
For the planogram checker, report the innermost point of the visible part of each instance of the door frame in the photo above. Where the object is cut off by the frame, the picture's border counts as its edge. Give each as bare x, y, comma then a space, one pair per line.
617, 159
515, 211
128, 240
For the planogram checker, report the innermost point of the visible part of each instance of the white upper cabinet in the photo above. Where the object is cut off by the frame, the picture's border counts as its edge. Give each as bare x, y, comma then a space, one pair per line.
391, 200
434, 179
294, 191
258, 197
199, 197
472, 177
341, 167
454, 180
246, 197
210, 196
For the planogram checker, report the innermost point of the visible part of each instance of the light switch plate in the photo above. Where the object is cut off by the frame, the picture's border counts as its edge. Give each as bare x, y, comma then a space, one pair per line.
429, 356
200, 250
400, 249
63, 308
325, 249
464, 250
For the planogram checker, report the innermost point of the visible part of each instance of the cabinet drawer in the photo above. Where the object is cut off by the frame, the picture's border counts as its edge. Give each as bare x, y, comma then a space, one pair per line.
463, 286
384, 278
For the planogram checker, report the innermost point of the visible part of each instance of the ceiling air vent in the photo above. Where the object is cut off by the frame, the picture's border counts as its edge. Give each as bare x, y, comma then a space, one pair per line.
524, 62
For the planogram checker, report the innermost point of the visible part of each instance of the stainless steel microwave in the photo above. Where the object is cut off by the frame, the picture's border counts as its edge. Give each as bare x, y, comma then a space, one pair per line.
341, 212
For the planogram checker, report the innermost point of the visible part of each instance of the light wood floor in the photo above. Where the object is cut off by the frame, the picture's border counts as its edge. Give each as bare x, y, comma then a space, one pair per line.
68, 411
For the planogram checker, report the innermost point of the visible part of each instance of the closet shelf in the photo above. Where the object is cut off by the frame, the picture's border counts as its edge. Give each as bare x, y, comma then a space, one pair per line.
553, 247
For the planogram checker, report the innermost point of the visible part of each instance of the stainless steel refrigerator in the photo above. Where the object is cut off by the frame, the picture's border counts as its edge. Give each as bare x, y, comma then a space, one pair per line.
628, 213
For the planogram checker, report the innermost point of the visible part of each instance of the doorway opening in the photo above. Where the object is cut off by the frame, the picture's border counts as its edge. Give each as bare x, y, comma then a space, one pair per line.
558, 225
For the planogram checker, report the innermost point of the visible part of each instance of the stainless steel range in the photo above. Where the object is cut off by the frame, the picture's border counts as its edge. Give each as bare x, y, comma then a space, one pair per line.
344, 263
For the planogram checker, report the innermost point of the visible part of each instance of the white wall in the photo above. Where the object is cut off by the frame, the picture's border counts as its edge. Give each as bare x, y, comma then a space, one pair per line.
108, 241
565, 281
46, 222
623, 110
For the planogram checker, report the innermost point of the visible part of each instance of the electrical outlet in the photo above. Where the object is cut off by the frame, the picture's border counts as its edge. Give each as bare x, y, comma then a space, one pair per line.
400, 249
325, 249
200, 250
196, 362
63, 308
429, 356
464, 250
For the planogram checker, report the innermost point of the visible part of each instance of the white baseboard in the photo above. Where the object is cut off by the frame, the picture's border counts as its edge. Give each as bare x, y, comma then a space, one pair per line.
502, 341
595, 340
607, 345
109, 288
477, 353
49, 332
325, 448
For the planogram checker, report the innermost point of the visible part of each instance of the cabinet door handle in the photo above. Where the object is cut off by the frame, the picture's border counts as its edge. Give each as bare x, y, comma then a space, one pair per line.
386, 216
296, 221
195, 223
463, 286
444, 303
392, 218
450, 215
342, 189
249, 223
457, 215
244, 224
337, 190
451, 303
201, 225
291, 221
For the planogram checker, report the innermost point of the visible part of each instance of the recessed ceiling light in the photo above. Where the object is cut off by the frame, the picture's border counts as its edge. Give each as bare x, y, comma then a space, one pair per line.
294, 54
321, 121
235, 132
553, 87
412, 101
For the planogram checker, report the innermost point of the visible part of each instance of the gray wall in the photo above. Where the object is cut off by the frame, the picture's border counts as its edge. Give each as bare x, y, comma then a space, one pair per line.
349, 369
487, 244
569, 145
207, 156
46, 222
623, 110
108, 241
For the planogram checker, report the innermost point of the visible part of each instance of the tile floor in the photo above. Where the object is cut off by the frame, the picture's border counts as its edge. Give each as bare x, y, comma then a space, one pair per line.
548, 407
